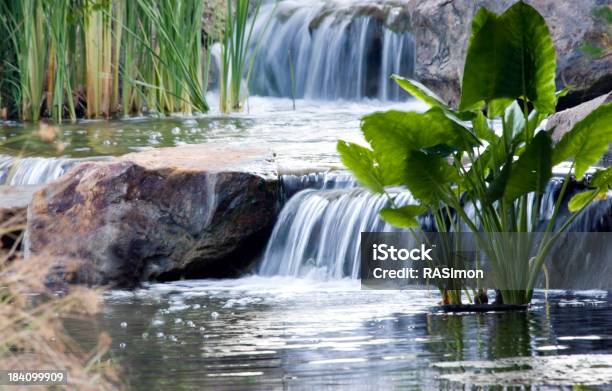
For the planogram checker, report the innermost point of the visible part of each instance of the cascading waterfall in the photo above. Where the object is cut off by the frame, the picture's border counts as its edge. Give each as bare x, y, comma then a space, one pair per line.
317, 232
333, 51
329, 180
18, 171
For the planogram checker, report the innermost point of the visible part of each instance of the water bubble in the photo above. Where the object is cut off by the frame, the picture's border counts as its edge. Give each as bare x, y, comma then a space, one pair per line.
190, 324
157, 322
124, 324
196, 306
122, 345
178, 320
160, 335
214, 315
145, 335
173, 338
202, 328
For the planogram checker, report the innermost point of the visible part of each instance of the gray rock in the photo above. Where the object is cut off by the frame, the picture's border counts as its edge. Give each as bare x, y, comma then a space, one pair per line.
442, 28
196, 211
563, 121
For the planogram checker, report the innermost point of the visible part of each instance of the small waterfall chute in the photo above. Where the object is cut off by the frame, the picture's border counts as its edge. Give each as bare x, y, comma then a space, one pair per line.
19, 171
318, 233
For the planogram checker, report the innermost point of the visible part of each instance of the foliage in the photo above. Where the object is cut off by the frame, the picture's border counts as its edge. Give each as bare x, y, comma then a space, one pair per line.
235, 46
98, 58
450, 158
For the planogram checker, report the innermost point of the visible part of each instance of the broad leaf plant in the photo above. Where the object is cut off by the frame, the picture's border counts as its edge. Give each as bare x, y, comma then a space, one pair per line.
448, 158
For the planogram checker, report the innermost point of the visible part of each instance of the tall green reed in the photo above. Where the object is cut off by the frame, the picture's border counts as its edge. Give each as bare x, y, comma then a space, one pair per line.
98, 58
26, 44
234, 52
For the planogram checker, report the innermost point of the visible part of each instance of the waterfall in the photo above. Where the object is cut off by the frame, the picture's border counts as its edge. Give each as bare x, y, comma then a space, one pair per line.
336, 51
291, 183
317, 232
16, 171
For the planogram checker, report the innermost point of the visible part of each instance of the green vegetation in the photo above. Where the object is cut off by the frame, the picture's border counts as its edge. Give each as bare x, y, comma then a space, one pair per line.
234, 50
599, 45
603, 13
449, 157
98, 58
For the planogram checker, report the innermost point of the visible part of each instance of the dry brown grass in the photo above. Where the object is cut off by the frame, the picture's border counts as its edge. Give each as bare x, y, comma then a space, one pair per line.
32, 333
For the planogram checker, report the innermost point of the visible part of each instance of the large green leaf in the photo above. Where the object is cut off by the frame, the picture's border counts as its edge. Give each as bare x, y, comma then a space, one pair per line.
428, 177
602, 179
404, 217
500, 176
419, 91
600, 184
497, 107
533, 169
363, 165
483, 130
393, 133
580, 200
587, 141
509, 56
514, 122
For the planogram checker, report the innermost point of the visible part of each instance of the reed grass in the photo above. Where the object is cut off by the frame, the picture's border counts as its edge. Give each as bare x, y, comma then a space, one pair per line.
236, 42
100, 58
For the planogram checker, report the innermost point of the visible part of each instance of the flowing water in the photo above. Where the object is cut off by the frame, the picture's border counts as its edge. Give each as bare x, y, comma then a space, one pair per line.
329, 49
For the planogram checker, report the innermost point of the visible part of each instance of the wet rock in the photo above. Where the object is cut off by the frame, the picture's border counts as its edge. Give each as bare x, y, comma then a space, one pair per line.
442, 28
197, 210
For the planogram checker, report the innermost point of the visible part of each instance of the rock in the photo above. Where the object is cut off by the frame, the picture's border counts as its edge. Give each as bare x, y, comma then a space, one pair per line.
442, 29
195, 211
563, 121
14, 202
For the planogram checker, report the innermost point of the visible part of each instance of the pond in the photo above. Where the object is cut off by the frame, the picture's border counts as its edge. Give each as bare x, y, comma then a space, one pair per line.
301, 139
307, 134
278, 333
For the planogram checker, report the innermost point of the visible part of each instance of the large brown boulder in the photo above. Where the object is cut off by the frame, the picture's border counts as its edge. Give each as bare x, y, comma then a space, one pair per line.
579, 28
197, 210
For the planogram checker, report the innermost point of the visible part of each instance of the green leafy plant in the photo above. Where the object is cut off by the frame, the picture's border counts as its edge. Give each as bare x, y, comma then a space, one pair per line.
449, 158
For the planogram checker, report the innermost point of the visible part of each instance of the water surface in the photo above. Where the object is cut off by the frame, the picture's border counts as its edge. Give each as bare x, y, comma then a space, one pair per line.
278, 333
